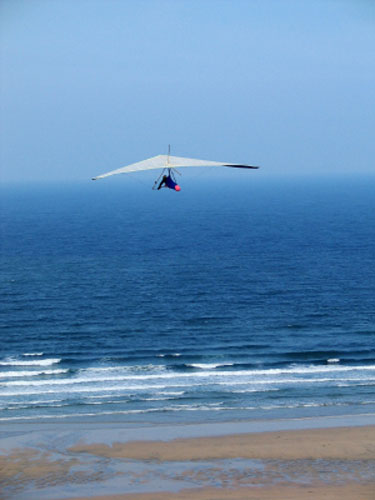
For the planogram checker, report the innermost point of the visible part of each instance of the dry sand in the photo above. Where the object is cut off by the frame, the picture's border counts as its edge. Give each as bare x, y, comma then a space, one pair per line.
353, 491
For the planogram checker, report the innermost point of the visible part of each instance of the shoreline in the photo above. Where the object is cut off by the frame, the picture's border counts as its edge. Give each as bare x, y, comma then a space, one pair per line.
18, 434
310, 458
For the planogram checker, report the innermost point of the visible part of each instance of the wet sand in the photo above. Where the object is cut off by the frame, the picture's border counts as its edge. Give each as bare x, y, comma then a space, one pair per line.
356, 443
334, 463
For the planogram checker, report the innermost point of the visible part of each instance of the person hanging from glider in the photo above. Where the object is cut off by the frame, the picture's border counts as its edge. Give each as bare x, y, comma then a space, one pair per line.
169, 165
169, 182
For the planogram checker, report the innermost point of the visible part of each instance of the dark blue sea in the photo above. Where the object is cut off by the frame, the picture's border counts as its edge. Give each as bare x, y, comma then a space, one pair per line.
241, 297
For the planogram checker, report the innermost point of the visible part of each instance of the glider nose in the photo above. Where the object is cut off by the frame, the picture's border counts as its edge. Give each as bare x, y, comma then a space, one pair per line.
177, 187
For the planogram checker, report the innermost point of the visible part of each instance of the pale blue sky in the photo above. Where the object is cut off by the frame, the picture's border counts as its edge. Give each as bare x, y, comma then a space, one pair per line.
91, 85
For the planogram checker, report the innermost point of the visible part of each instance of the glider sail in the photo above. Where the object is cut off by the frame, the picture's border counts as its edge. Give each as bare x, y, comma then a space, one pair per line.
167, 161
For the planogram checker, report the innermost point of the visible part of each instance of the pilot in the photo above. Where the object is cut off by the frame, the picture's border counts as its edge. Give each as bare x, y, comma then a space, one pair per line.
168, 182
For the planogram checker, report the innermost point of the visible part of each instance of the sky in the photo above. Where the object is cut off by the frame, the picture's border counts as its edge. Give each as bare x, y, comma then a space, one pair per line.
88, 86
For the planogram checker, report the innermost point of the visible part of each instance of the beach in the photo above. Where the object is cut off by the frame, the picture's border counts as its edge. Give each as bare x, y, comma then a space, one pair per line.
313, 458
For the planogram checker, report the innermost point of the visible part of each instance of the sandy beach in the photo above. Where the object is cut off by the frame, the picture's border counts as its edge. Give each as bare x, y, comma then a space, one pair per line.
321, 463
352, 491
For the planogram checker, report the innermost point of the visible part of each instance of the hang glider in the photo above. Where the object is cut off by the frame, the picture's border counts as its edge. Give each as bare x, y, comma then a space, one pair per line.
169, 165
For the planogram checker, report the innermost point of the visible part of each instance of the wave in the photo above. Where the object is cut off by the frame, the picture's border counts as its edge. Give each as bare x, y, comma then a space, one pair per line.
28, 407
247, 391
96, 414
212, 406
169, 355
208, 366
248, 374
59, 403
56, 388
36, 402
182, 408
298, 381
71, 390
171, 393
122, 368
33, 354
293, 369
30, 373
21, 362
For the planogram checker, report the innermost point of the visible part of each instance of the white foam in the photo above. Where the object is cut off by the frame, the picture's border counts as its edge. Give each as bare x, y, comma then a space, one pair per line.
171, 393
251, 376
39, 401
70, 390
155, 399
209, 366
39, 362
101, 396
27, 407
57, 387
30, 373
333, 360
245, 391
309, 369
110, 402
33, 354
280, 381
176, 408
78, 415
173, 355
104, 369
121, 368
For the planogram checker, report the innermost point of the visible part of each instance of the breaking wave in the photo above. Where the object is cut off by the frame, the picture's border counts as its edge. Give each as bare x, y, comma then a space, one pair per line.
30, 373
38, 362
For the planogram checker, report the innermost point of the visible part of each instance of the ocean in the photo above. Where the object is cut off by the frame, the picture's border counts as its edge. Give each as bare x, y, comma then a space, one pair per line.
241, 297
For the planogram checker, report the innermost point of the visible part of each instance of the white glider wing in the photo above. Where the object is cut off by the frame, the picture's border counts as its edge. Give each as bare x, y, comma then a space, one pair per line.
166, 161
